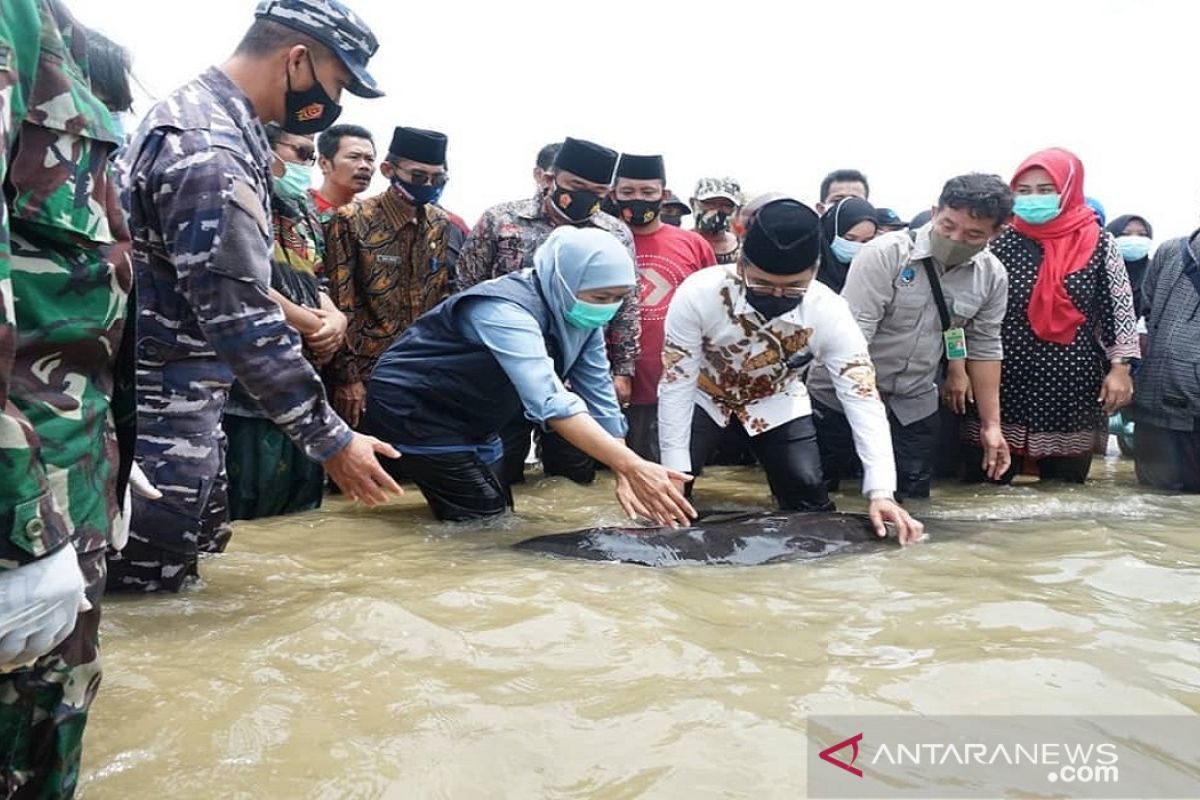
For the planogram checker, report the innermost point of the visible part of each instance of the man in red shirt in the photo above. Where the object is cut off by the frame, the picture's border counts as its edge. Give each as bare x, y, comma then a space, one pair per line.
666, 255
347, 160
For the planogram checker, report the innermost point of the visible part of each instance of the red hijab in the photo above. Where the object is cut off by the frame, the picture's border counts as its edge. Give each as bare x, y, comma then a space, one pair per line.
1068, 242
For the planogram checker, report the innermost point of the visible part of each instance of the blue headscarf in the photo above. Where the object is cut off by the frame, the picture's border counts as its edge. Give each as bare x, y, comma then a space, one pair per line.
574, 260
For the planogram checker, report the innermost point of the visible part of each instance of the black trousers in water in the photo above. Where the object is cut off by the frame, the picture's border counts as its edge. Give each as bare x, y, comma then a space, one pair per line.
643, 431
1167, 459
914, 446
457, 486
788, 453
558, 456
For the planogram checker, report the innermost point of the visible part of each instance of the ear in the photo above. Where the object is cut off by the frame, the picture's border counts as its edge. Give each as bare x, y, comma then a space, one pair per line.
820, 209
325, 165
387, 169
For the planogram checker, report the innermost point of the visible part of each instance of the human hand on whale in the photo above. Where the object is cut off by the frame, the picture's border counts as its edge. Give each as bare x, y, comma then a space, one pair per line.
886, 510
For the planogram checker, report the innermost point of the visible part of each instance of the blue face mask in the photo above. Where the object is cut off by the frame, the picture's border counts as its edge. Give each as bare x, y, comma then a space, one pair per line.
591, 315
844, 249
1134, 248
419, 195
1037, 209
296, 180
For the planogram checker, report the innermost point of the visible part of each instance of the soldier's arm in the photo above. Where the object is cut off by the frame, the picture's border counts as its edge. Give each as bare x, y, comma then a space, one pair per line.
30, 526
341, 255
217, 235
475, 261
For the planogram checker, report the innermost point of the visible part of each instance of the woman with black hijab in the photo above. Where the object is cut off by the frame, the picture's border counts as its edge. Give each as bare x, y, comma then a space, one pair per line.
1134, 238
845, 228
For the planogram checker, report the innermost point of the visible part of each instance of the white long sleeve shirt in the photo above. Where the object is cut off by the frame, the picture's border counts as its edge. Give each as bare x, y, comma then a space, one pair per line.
723, 356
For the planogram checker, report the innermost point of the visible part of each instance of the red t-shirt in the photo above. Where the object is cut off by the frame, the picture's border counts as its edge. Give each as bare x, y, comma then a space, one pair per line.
664, 259
325, 209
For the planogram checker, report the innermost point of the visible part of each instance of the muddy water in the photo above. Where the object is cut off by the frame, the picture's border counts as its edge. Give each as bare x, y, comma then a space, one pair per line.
349, 653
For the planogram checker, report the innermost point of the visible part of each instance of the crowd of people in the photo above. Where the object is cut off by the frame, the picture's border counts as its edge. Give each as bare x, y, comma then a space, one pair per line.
191, 333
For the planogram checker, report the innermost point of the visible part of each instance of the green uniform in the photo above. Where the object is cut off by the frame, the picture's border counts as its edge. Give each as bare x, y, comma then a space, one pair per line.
64, 281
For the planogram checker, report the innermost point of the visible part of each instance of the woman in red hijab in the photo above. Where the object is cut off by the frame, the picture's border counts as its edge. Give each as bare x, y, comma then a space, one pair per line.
1070, 332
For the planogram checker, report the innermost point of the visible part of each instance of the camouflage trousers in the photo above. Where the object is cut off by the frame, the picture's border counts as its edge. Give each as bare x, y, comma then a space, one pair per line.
192, 517
44, 707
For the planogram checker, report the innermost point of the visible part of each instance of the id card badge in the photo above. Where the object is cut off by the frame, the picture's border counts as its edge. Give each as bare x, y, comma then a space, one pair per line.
956, 344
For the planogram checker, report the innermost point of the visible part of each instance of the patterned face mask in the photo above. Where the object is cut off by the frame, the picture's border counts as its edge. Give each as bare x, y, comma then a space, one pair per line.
713, 221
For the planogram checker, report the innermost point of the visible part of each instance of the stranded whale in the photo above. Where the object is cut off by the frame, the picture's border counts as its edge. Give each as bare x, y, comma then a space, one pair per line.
742, 538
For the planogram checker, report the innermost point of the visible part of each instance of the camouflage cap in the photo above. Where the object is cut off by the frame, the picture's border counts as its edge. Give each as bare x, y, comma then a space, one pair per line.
337, 27
712, 188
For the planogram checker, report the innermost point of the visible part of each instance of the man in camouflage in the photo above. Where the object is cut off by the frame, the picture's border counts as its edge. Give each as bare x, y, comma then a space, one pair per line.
64, 281
198, 202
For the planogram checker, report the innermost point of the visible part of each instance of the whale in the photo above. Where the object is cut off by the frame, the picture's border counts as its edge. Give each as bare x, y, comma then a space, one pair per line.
721, 538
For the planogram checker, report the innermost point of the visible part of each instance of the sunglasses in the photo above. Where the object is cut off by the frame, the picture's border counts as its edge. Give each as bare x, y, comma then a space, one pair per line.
307, 155
419, 177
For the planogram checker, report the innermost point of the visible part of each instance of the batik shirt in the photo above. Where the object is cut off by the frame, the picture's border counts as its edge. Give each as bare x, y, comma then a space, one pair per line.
387, 263
724, 358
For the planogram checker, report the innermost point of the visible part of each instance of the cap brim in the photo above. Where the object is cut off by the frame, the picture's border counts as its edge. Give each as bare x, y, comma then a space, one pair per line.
719, 195
363, 84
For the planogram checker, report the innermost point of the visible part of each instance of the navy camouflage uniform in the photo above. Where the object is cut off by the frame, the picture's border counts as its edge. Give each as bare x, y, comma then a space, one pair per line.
199, 210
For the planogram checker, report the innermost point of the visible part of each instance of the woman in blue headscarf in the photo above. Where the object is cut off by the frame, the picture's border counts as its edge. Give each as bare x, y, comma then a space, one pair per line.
447, 386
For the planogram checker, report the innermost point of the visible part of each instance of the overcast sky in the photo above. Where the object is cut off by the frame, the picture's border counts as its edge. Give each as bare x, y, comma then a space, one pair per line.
773, 92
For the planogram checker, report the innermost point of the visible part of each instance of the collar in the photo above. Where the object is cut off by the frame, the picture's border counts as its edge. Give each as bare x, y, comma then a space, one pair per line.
235, 103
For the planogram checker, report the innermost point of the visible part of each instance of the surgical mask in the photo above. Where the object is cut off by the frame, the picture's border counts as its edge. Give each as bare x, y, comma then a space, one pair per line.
639, 212
1134, 248
1036, 209
591, 315
951, 252
771, 306
296, 180
419, 195
712, 222
309, 111
577, 205
844, 249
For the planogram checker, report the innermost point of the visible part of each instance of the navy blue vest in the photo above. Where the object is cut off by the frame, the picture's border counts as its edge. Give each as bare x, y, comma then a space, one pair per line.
435, 387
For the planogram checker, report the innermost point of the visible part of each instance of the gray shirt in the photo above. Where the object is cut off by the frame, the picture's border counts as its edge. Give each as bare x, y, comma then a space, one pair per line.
892, 300
1167, 388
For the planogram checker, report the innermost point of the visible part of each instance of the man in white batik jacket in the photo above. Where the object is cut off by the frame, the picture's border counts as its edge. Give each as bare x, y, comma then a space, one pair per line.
739, 339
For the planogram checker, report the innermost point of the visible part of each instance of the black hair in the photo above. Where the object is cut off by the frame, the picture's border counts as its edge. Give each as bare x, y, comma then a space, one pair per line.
843, 176
108, 71
274, 133
330, 139
266, 37
983, 196
546, 156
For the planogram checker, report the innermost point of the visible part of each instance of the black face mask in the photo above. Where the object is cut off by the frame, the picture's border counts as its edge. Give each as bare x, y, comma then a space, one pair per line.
770, 306
577, 205
672, 219
639, 212
712, 222
310, 111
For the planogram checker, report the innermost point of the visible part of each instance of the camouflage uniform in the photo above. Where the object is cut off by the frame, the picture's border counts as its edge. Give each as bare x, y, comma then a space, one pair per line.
199, 211
64, 283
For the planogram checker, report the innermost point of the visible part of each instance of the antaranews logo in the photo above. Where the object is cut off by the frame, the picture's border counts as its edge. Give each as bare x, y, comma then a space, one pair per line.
852, 742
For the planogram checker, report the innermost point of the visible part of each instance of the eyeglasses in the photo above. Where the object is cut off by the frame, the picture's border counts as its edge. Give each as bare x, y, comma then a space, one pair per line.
419, 177
307, 155
772, 290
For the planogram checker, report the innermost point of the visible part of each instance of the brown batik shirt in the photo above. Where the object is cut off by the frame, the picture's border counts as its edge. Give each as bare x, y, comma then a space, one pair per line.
387, 263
